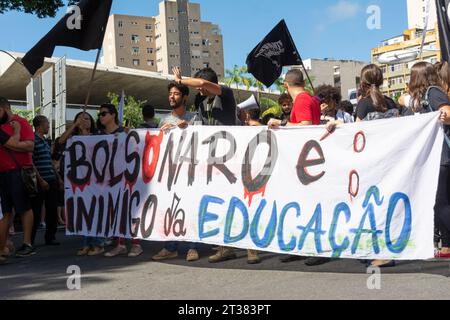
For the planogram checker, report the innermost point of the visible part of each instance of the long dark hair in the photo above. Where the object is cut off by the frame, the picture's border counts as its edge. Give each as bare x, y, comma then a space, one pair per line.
443, 70
92, 129
111, 109
423, 76
371, 81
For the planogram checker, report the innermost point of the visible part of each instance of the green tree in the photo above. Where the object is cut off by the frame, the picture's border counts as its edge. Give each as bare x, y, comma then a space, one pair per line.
26, 114
279, 84
132, 115
308, 85
41, 8
235, 77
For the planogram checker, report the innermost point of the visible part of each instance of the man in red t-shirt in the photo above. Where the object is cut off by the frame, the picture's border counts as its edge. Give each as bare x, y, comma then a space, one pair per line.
12, 189
306, 110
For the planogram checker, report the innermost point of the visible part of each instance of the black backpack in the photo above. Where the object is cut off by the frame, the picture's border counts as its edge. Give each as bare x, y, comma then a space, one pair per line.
426, 107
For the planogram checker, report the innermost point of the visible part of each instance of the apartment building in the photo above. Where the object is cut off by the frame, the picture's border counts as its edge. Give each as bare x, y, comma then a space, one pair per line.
175, 37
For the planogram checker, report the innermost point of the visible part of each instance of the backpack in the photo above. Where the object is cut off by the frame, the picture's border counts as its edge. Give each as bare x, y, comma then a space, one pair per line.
390, 113
427, 107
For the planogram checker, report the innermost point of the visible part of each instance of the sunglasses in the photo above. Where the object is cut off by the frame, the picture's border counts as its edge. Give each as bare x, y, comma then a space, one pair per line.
103, 114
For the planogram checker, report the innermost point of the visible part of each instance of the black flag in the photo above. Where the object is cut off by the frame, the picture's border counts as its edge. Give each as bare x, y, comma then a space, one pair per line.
277, 50
442, 7
83, 29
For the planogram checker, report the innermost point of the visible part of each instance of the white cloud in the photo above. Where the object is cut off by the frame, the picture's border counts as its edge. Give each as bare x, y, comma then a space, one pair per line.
343, 10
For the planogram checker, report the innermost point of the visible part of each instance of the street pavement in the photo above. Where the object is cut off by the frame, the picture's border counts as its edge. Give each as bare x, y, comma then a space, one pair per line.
44, 276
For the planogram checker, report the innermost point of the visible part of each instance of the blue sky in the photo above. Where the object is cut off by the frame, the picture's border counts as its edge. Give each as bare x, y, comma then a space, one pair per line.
321, 29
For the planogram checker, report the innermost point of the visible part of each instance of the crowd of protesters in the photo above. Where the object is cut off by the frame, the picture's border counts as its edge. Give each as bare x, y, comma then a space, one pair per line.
215, 105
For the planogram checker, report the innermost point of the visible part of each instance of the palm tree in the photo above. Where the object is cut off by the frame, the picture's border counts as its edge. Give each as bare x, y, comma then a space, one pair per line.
235, 77
308, 85
279, 84
248, 82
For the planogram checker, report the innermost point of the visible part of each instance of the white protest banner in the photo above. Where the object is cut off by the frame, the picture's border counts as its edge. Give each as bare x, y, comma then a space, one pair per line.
367, 191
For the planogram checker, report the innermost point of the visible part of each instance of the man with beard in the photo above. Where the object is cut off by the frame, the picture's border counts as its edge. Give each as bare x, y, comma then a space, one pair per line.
179, 117
215, 103
12, 188
286, 104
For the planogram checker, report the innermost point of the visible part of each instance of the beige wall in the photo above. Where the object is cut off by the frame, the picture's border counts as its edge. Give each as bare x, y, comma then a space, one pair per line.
165, 44
119, 44
212, 52
324, 72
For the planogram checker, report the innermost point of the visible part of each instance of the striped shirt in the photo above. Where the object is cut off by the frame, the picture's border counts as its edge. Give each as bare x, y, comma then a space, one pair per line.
42, 159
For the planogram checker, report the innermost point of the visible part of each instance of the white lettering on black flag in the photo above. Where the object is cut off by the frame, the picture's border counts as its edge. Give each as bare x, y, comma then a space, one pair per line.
268, 58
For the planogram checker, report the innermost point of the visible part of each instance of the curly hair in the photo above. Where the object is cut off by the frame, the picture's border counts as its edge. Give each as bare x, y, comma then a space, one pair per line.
327, 93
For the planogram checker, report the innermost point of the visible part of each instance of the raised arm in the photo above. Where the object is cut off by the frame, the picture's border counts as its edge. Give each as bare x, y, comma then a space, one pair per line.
69, 132
212, 88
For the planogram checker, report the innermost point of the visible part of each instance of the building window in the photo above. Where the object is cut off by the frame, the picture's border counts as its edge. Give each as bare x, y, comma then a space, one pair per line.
206, 65
122, 59
134, 23
148, 26
149, 50
135, 51
151, 63
120, 34
172, 18
205, 42
149, 39
135, 38
120, 24
136, 62
173, 31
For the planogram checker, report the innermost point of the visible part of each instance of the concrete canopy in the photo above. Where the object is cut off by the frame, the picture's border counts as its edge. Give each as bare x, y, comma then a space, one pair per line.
143, 85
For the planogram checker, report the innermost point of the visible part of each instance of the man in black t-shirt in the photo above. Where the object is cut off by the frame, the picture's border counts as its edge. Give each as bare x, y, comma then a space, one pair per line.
215, 103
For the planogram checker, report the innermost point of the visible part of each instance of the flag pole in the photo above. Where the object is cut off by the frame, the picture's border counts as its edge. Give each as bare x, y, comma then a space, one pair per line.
301, 60
92, 80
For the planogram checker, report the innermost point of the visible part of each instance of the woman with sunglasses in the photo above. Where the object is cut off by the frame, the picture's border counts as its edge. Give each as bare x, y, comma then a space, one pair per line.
108, 123
84, 125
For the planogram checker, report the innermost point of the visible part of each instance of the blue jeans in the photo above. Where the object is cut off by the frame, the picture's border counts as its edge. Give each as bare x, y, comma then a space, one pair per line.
93, 242
172, 246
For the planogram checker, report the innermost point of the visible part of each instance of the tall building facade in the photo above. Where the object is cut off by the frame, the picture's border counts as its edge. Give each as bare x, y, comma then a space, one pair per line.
176, 37
417, 14
342, 74
397, 75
